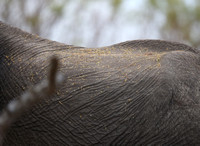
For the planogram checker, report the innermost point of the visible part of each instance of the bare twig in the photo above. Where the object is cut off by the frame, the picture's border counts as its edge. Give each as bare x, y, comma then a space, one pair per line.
29, 98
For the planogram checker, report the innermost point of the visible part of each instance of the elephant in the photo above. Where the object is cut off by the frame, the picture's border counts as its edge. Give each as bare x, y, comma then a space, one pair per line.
140, 92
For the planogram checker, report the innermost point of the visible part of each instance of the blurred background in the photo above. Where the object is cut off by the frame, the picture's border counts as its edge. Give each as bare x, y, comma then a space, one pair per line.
96, 23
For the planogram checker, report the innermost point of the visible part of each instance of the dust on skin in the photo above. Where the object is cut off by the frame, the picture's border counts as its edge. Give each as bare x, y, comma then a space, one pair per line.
107, 62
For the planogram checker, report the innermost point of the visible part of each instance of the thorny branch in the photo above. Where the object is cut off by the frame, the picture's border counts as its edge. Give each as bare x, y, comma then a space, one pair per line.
29, 98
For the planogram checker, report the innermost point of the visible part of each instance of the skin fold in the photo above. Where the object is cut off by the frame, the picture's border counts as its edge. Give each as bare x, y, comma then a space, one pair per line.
143, 92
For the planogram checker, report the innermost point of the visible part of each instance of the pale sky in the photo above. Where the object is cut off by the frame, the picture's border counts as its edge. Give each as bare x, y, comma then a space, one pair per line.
126, 26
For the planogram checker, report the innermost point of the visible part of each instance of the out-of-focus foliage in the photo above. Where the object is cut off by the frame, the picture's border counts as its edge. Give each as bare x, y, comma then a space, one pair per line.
182, 20
116, 4
95, 23
37, 16
41, 16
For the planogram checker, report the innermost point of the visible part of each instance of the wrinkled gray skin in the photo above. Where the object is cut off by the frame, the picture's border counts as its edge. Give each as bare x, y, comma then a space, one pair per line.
133, 93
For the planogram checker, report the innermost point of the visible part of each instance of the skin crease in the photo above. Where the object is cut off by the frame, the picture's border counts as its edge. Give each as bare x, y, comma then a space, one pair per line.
143, 92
